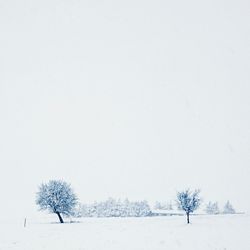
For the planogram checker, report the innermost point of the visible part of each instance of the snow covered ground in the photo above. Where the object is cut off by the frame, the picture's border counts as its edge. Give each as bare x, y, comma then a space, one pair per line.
221, 232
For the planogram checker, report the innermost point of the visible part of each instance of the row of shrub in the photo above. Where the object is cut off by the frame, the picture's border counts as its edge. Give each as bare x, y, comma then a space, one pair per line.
126, 208
114, 208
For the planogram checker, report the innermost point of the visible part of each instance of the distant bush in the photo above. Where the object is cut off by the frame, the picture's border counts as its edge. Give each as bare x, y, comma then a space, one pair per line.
228, 208
114, 208
212, 208
163, 205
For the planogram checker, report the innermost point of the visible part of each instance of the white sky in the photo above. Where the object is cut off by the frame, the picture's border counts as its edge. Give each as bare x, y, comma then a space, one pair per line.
132, 99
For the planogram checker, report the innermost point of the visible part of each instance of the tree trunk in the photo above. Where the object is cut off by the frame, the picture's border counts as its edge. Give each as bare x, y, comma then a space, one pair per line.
60, 217
187, 218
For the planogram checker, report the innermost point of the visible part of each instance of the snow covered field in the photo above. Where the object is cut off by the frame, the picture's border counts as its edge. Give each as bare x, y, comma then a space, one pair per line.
222, 232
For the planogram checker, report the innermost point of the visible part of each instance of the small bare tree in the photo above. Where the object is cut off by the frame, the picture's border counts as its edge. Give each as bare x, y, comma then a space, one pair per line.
188, 201
57, 197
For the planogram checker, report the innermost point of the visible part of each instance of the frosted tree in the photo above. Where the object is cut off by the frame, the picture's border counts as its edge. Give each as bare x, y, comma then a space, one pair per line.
212, 208
228, 208
57, 197
144, 209
188, 201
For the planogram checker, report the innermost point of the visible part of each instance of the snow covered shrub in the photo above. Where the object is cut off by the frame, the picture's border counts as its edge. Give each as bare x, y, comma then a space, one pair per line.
116, 208
57, 197
163, 205
228, 208
212, 208
77, 211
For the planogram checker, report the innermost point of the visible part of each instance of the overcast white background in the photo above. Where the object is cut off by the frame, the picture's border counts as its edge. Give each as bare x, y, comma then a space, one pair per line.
132, 99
